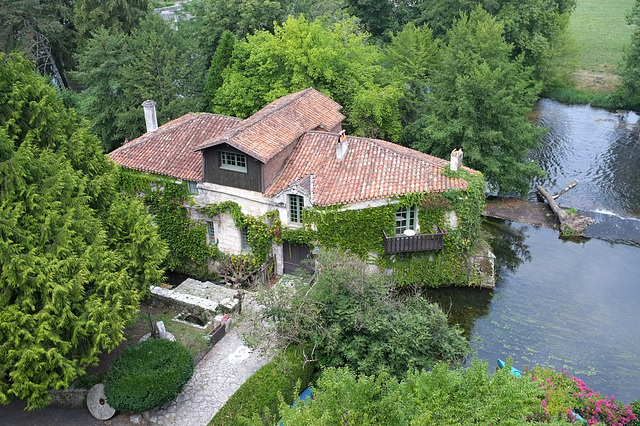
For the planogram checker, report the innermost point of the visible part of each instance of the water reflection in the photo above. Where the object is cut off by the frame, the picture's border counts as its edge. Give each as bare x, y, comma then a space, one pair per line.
597, 147
508, 244
558, 303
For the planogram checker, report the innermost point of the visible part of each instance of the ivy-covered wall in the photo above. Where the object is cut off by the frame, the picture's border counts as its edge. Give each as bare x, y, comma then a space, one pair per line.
189, 252
359, 231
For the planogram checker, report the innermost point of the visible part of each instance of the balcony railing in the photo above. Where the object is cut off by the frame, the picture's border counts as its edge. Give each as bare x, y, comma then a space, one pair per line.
418, 242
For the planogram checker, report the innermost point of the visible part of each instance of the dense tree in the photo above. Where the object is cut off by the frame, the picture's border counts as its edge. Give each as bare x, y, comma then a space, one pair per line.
219, 63
211, 18
337, 61
347, 316
629, 94
120, 72
42, 30
75, 254
479, 102
537, 30
100, 70
447, 396
117, 16
412, 58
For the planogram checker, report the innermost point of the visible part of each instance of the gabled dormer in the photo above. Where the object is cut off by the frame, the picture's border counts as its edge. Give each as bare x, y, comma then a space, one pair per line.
251, 155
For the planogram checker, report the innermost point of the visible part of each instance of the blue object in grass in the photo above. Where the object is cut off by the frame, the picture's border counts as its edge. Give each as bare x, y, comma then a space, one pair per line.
514, 370
304, 396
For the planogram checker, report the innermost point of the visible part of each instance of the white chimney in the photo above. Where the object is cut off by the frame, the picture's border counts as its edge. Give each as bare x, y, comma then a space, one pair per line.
150, 116
456, 159
342, 147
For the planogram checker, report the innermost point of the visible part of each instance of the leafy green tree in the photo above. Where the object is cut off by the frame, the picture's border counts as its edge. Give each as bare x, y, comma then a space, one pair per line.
75, 254
412, 58
537, 30
376, 15
442, 396
301, 54
165, 65
479, 102
629, 94
117, 16
211, 18
120, 72
219, 62
439, 15
347, 316
100, 71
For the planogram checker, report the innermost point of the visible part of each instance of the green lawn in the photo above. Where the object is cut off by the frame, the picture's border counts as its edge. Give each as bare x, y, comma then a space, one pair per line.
601, 31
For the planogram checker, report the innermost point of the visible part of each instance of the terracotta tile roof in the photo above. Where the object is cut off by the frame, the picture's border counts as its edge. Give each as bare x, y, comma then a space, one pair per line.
274, 127
170, 149
372, 169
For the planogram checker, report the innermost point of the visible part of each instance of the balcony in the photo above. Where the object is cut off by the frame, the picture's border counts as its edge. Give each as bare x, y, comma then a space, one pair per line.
418, 242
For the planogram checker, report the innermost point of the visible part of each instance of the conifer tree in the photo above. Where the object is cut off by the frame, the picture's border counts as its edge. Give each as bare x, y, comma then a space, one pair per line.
75, 254
479, 102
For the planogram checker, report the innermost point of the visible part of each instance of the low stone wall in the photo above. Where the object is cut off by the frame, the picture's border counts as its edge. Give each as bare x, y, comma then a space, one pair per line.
69, 398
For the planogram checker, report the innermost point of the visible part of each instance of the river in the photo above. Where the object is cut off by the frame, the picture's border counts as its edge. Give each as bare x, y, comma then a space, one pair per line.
561, 303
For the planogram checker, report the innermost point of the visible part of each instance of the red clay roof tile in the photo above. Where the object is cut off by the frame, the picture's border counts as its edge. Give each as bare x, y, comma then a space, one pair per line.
270, 130
169, 150
372, 169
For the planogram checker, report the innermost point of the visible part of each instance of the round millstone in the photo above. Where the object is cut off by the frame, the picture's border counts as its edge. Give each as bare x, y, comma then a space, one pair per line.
97, 403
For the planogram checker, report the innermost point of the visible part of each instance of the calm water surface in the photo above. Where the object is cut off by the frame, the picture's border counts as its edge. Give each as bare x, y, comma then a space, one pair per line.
569, 304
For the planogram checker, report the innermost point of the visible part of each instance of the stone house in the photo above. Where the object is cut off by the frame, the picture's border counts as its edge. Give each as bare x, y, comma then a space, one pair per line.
289, 156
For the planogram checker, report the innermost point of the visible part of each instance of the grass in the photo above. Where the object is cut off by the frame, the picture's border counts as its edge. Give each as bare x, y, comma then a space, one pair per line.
601, 31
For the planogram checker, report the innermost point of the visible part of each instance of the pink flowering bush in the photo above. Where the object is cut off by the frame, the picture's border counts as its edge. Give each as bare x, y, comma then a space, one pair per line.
567, 396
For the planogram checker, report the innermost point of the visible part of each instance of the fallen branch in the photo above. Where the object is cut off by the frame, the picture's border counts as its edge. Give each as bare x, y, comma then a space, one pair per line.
568, 187
570, 224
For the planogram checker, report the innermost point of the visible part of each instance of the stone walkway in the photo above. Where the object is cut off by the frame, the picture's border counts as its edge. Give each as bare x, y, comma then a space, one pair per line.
216, 377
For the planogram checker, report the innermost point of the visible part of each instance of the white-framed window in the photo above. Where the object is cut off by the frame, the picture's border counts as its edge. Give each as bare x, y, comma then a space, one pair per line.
405, 219
296, 204
211, 234
233, 161
193, 187
244, 241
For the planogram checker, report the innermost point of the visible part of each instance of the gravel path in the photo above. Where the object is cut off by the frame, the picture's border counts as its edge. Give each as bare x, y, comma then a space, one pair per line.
216, 377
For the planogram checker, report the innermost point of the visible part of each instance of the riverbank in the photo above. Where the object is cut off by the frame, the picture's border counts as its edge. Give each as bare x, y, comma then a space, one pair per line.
522, 211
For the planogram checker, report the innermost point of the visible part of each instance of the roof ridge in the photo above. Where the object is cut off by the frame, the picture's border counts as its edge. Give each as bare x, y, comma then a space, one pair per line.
294, 97
393, 147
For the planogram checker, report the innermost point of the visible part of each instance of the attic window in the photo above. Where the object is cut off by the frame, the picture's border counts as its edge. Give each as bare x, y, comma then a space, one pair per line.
233, 161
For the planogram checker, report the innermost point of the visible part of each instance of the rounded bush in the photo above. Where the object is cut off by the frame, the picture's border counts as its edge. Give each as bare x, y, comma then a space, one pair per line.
147, 375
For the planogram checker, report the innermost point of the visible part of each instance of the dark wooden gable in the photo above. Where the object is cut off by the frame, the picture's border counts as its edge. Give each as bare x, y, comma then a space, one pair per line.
214, 172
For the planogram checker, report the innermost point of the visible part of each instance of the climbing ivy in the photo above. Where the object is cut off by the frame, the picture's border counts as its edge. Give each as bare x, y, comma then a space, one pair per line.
262, 231
358, 231
186, 239
447, 266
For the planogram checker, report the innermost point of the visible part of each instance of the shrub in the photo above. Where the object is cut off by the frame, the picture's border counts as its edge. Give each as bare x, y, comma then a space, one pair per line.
566, 395
635, 408
147, 375
258, 397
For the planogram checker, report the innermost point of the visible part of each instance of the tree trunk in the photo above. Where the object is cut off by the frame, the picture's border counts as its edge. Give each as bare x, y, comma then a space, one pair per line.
570, 224
568, 187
